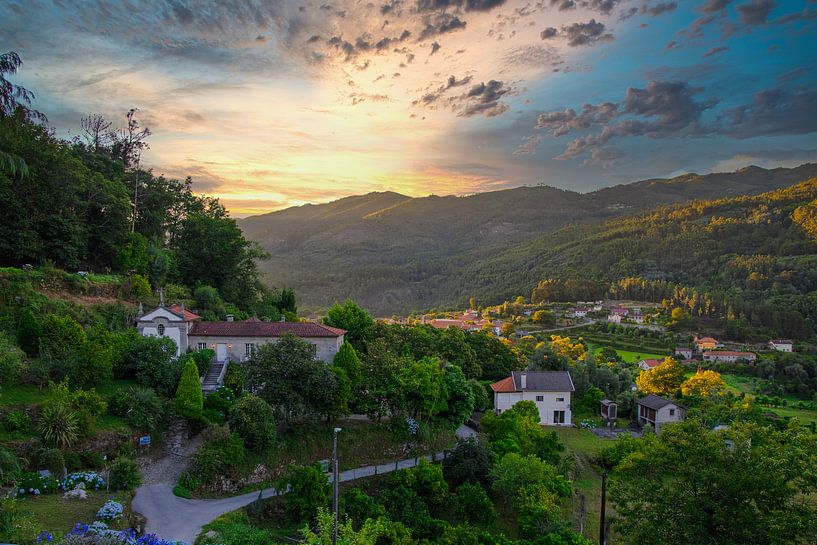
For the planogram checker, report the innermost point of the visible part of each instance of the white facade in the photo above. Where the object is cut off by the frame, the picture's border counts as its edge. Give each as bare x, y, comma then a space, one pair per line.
554, 407
614, 318
667, 414
239, 349
729, 357
163, 323
781, 346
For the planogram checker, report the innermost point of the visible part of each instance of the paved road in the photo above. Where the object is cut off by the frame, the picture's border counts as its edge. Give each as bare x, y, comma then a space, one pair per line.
174, 518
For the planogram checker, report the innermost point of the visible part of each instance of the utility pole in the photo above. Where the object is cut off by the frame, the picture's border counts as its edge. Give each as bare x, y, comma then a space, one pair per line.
335, 485
602, 516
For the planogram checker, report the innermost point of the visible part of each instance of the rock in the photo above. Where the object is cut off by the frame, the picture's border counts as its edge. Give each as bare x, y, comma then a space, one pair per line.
76, 494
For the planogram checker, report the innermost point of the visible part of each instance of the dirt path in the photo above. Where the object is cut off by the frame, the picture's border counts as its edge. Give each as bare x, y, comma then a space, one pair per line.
174, 518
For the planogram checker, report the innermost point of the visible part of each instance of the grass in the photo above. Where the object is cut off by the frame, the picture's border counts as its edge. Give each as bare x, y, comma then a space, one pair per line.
28, 394
628, 356
53, 513
805, 416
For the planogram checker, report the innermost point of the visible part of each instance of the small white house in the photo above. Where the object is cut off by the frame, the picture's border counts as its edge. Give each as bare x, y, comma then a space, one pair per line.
614, 318
646, 365
657, 411
728, 356
685, 353
781, 345
549, 390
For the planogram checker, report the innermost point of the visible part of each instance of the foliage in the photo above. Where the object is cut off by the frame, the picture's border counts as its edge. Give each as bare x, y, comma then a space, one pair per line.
459, 397
29, 331
58, 425
518, 430
140, 407
140, 287
234, 528
202, 358
357, 506
221, 401
513, 471
189, 400
110, 511
613, 455
538, 509
9, 466
36, 484
220, 452
482, 401
252, 419
742, 485
347, 359
470, 461
123, 474
424, 388
373, 532
472, 504
350, 317
666, 379
150, 361
703, 383
234, 377
11, 361
309, 491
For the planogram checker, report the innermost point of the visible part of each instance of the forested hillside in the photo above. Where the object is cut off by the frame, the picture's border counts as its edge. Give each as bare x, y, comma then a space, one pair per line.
751, 260
395, 253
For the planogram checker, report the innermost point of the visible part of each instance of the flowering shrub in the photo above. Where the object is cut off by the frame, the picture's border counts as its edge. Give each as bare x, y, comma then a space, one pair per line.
92, 480
99, 534
34, 484
412, 426
587, 425
112, 510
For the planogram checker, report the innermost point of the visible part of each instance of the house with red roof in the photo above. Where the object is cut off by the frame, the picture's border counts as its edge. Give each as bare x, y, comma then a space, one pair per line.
781, 345
729, 356
232, 341
646, 365
550, 391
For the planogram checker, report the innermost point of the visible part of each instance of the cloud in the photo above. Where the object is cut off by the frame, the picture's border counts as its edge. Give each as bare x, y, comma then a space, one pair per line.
482, 98
532, 56
549, 32
440, 23
433, 96
434, 48
715, 51
756, 12
604, 7
588, 33
659, 9
529, 146
606, 157
659, 110
714, 6
774, 111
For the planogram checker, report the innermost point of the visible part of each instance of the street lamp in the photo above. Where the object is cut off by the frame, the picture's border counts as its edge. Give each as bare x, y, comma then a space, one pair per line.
335, 432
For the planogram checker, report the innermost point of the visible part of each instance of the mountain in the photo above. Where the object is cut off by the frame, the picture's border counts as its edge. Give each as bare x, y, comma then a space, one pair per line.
394, 253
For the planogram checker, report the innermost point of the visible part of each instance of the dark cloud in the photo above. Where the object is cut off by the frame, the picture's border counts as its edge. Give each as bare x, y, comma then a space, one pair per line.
714, 6
756, 12
775, 111
482, 5
433, 96
579, 34
470, 5
483, 98
434, 48
563, 5
440, 24
606, 157
658, 9
390, 7
715, 51
660, 110
183, 14
604, 7
549, 32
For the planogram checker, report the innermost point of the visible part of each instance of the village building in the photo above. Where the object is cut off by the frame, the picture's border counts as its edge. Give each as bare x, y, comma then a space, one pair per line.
781, 345
729, 356
657, 411
707, 343
549, 390
608, 409
685, 353
232, 341
646, 365
614, 318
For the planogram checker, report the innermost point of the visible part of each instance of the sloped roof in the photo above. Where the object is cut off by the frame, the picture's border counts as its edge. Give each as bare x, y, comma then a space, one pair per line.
263, 329
729, 353
188, 316
652, 363
504, 386
655, 402
543, 381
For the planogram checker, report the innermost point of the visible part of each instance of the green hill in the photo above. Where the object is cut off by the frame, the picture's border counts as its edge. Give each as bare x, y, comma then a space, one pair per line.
394, 253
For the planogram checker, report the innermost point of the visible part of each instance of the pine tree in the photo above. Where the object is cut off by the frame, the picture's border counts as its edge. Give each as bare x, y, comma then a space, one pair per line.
348, 360
189, 399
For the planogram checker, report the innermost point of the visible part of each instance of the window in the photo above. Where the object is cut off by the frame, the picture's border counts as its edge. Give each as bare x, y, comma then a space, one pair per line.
540, 398
161, 329
201, 346
249, 349
672, 412
560, 399
558, 417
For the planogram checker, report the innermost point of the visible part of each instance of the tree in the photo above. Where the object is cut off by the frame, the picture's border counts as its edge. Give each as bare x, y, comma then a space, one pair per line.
29, 332
513, 471
665, 379
252, 419
743, 485
124, 474
424, 388
494, 356
347, 359
373, 531
11, 361
62, 336
189, 400
472, 504
350, 317
150, 361
308, 492
470, 461
381, 393
507, 329
459, 396
58, 425
704, 384
96, 131
538, 508
13, 97
543, 317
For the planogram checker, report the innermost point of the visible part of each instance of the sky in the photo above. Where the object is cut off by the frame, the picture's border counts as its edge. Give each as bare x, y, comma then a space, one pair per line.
272, 104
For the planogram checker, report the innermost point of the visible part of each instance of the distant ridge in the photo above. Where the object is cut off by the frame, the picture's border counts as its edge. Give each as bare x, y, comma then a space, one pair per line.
388, 250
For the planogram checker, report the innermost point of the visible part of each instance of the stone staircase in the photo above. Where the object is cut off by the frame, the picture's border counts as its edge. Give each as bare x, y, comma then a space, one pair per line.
211, 379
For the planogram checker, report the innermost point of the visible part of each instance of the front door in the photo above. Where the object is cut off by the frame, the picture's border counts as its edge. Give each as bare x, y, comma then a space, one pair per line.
221, 352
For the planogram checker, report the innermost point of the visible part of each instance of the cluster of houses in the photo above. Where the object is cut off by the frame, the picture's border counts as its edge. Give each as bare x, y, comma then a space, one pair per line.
635, 315
550, 391
712, 350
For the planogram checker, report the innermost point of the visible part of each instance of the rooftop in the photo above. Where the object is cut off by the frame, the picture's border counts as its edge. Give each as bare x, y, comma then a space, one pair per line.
263, 329
655, 402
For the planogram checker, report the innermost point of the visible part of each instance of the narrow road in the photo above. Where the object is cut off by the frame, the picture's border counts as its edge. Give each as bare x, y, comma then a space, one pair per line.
174, 518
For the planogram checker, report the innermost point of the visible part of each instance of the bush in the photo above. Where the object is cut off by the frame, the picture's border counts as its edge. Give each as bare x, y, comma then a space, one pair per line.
11, 361
220, 401
220, 452
472, 504
189, 401
611, 456
29, 331
202, 358
58, 425
91, 479
359, 506
16, 422
481, 399
140, 287
52, 460
9, 466
124, 474
112, 510
91, 459
309, 490
469, 461
235, 377
32, 483
145, 409
182, 492
252, 419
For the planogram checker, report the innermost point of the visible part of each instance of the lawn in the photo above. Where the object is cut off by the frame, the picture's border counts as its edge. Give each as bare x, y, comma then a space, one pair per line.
53, 513
28, 394
805, 416
629, 356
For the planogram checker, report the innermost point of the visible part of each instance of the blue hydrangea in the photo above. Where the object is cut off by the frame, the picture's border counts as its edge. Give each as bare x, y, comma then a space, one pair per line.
112, 510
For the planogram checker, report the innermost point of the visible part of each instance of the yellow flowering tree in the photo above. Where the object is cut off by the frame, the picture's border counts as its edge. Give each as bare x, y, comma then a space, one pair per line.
564, 346
662, 380
704, 384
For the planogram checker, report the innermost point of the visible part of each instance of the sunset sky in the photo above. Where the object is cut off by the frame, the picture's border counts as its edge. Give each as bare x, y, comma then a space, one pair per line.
273, 104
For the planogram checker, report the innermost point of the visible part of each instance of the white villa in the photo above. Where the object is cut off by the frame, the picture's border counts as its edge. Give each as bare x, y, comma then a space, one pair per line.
549, 390
781, 345
232, 341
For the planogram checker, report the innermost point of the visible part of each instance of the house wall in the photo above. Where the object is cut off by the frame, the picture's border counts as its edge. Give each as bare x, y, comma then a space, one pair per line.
176, 331
663, 416
325, 347
782, 347
550, 403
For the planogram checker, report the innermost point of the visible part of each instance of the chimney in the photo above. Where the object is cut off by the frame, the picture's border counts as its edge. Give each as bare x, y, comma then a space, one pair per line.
230, 317
182, 310
523, 381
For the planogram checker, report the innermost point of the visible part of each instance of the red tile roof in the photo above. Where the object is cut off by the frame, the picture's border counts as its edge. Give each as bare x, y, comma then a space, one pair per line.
505, 385
263, 329
652, 363
729, 353
188, 316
